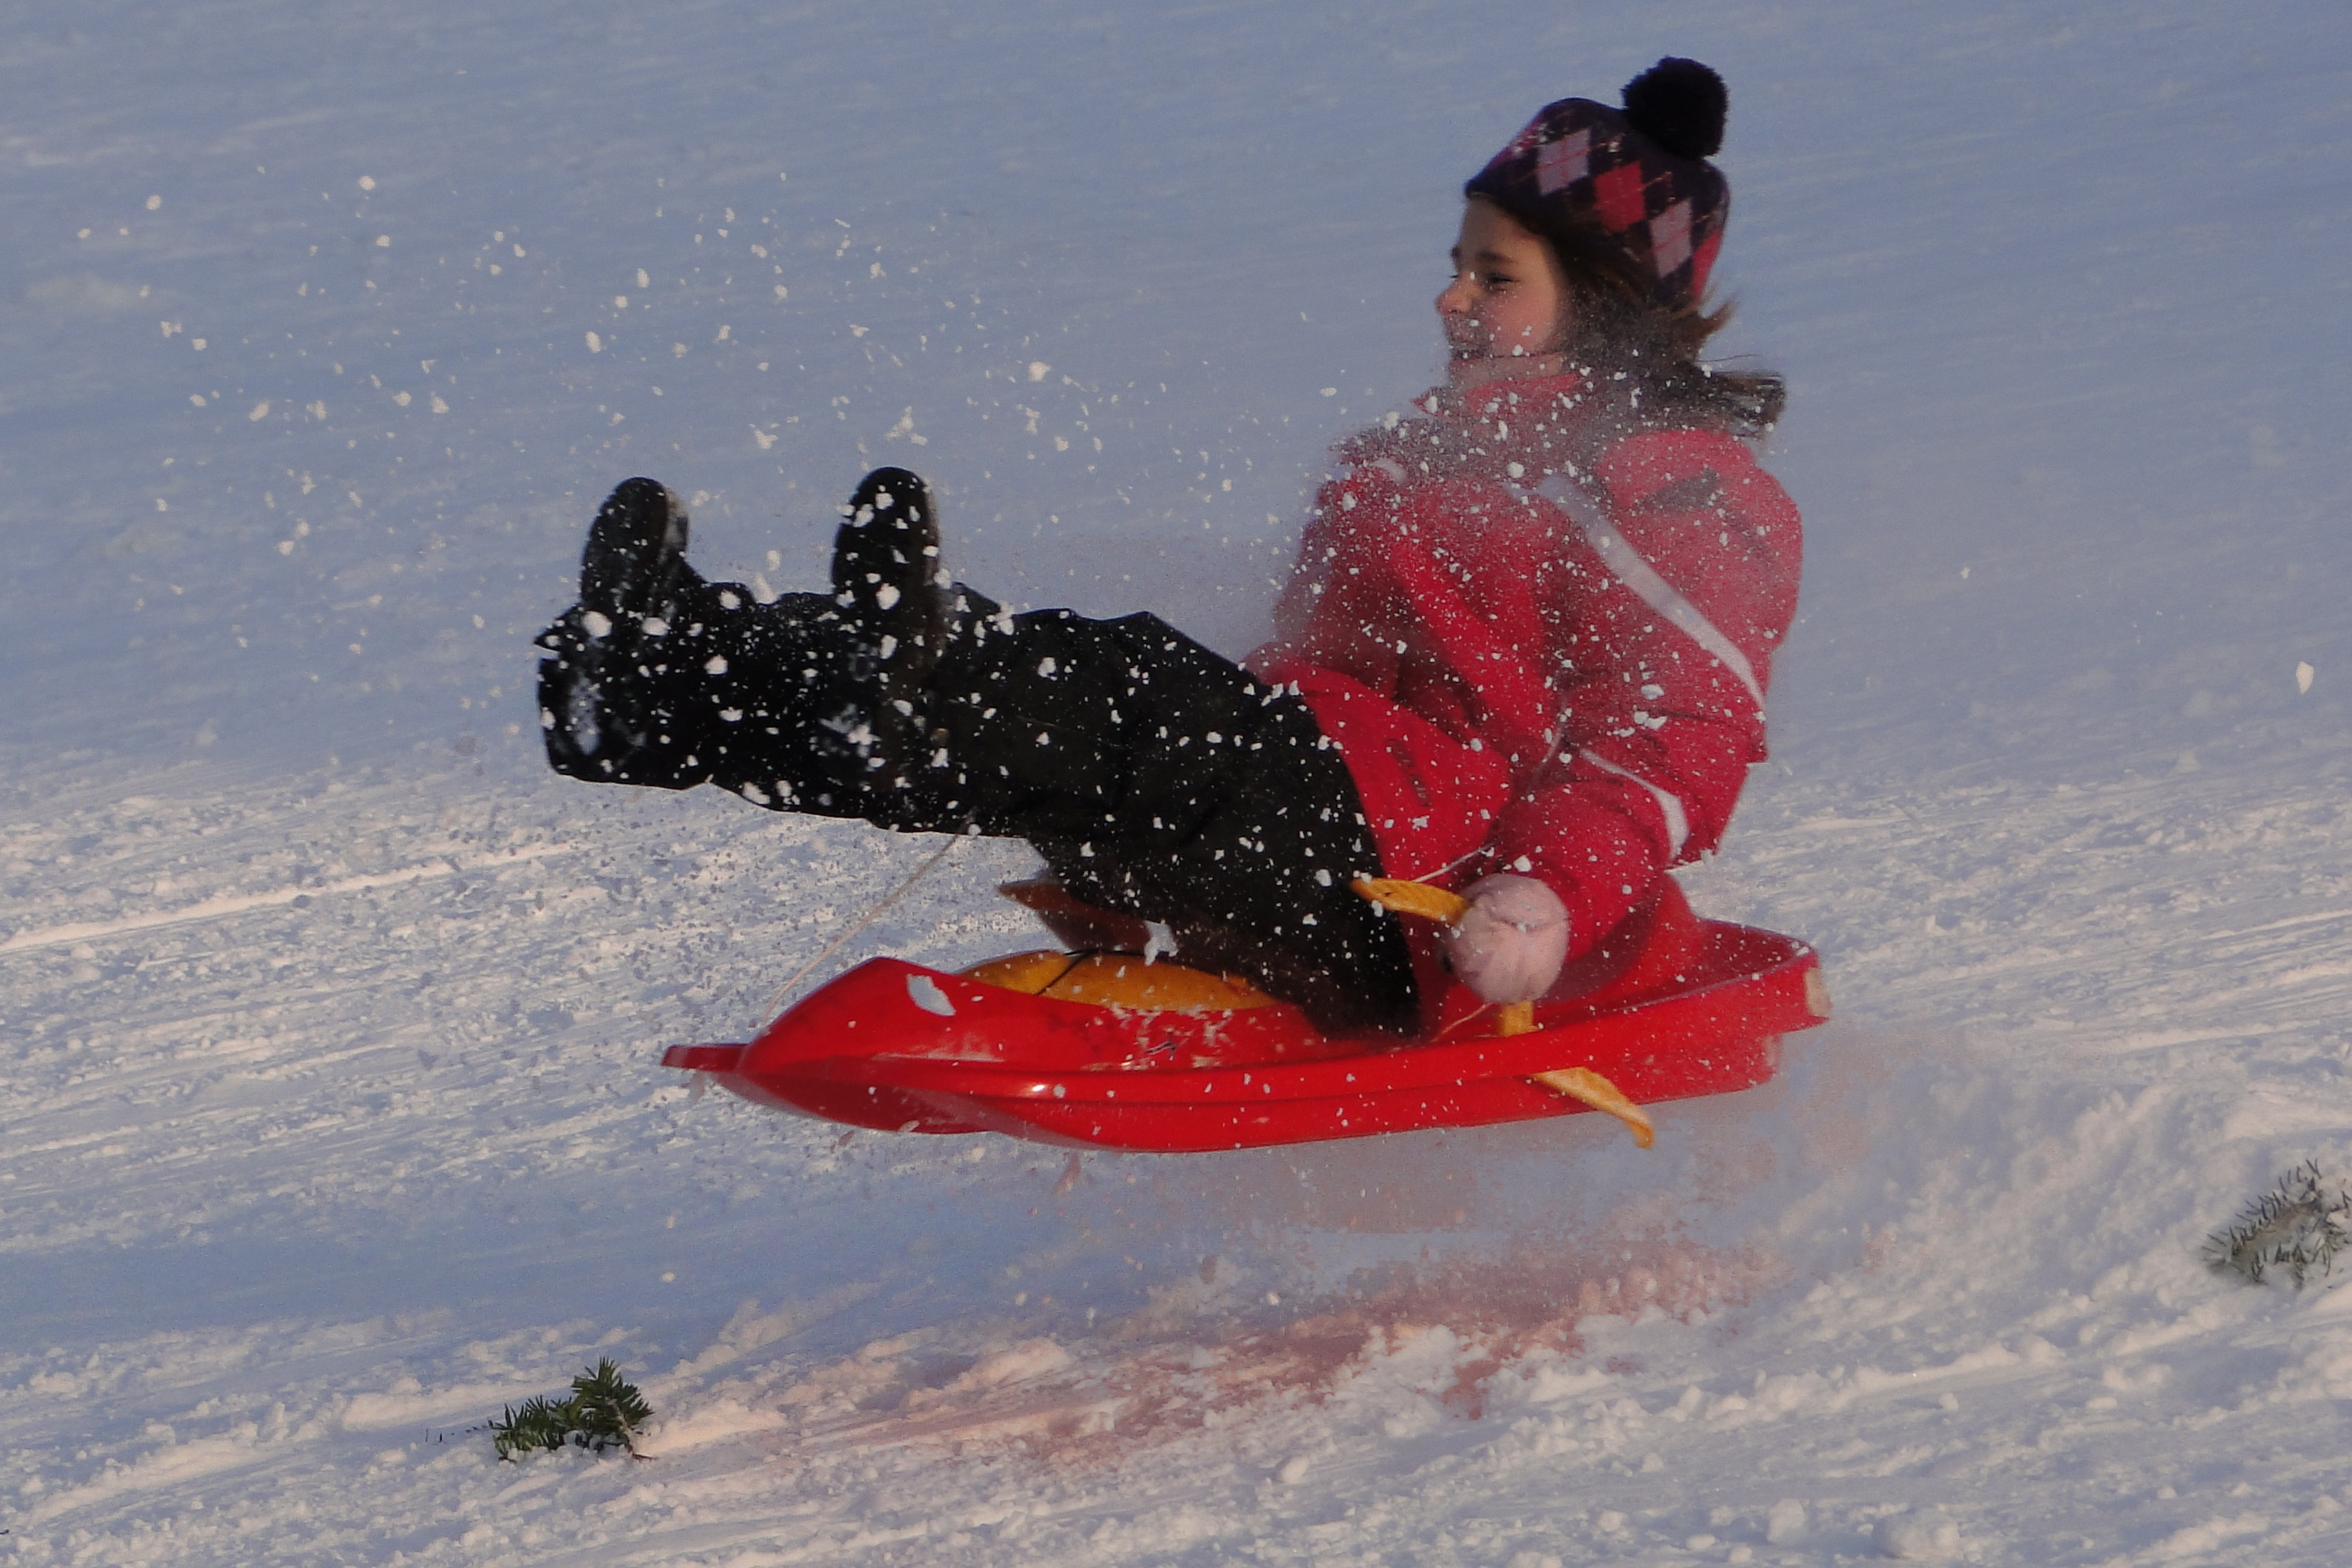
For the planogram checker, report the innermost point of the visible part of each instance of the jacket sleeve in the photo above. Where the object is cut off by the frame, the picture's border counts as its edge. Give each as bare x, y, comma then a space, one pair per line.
1675, 591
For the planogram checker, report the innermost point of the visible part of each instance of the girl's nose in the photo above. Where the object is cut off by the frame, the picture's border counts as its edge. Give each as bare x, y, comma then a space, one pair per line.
1453, 299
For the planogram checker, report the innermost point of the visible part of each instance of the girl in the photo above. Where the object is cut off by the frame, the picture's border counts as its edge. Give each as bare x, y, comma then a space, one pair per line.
1523, 652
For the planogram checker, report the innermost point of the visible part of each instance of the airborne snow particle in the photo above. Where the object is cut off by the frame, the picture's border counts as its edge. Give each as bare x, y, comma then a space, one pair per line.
2302, 674
595, 344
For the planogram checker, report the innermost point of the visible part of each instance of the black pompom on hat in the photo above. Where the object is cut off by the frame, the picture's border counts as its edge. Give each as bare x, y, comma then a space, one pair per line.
1680, 105
1629, 188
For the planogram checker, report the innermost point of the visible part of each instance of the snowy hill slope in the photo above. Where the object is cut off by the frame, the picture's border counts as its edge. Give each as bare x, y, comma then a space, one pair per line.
329, 1117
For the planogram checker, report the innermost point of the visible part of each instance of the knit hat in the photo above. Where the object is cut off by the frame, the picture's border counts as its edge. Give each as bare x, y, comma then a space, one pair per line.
1629, 188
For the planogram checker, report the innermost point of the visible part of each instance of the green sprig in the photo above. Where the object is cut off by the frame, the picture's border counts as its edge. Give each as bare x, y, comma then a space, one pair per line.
605, 1411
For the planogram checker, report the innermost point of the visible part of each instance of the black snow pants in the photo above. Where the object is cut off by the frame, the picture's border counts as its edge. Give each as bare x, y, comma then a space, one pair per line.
1156, 779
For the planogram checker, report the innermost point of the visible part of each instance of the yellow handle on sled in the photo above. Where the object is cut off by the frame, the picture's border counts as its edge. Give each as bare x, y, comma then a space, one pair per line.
1447, 909
1583, 1083
1413, 898
1580, 1083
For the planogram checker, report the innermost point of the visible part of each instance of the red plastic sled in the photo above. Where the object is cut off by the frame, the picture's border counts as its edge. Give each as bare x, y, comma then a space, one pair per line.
1105, 1050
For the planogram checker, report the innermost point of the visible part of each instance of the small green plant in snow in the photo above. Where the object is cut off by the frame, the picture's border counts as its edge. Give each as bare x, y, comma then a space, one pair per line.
605, 1411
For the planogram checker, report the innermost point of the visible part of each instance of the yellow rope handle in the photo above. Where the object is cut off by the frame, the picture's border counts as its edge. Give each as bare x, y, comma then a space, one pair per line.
1583, 1083
1446, 909
1413, 898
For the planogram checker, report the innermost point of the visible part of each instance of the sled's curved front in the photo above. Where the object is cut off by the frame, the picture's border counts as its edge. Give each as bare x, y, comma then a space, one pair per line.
893, 1045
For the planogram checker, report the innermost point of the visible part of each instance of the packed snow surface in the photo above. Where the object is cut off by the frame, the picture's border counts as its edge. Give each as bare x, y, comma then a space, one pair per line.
332, 1121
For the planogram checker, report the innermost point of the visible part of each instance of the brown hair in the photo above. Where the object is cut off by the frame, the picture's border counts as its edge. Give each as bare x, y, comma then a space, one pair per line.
1621, 331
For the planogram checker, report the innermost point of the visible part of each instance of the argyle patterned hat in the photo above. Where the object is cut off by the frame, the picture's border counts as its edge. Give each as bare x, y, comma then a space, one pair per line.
1631, 187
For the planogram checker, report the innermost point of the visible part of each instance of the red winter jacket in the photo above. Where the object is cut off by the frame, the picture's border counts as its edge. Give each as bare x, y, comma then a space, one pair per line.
1541, 647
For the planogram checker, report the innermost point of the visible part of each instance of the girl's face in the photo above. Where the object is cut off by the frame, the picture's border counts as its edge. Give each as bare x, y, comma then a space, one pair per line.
1509, 300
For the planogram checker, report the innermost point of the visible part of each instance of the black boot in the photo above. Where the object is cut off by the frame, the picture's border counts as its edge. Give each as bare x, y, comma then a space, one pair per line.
893, 594
633, 563
608, 691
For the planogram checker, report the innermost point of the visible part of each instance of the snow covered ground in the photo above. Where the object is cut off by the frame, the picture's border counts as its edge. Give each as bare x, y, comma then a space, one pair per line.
330, 1121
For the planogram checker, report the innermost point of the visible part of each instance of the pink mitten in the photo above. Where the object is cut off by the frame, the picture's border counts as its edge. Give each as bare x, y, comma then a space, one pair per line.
1509, 944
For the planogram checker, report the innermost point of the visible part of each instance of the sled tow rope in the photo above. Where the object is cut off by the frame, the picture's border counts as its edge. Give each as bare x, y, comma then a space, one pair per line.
873, 914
